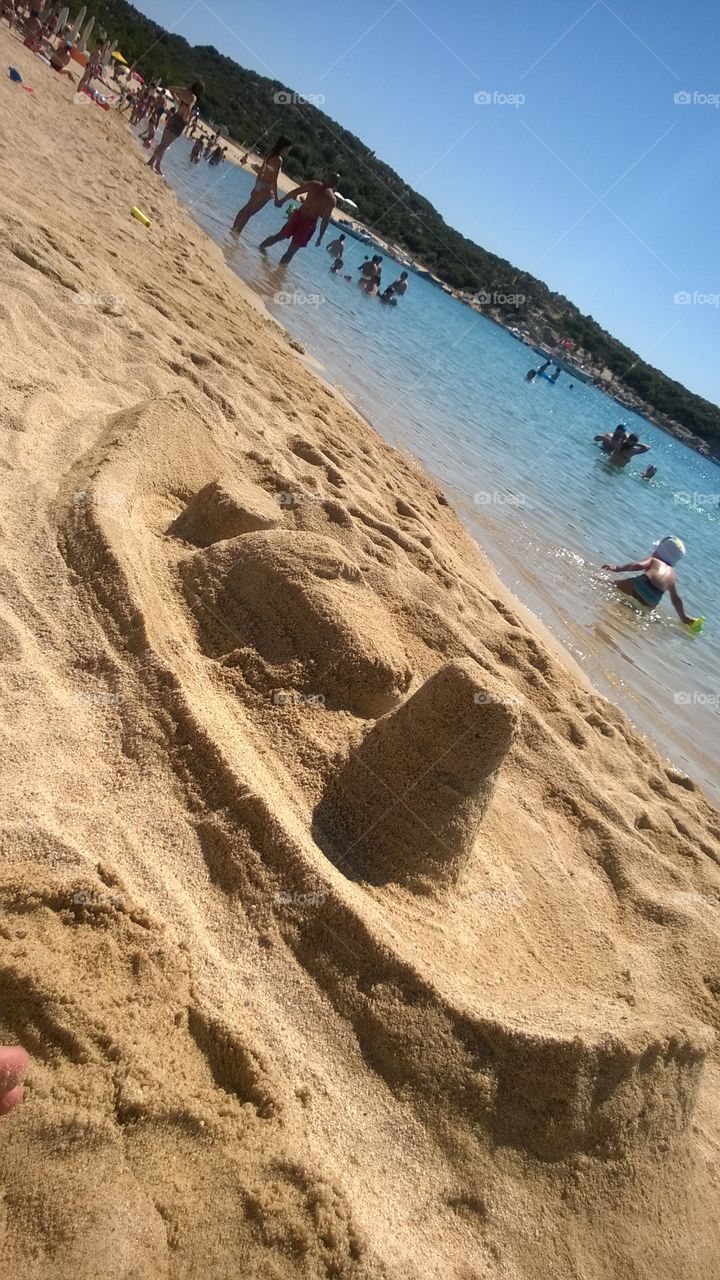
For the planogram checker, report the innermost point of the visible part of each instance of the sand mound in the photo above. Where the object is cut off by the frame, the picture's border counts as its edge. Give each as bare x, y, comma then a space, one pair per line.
303, 606
484, 1045
220, 511
409, 802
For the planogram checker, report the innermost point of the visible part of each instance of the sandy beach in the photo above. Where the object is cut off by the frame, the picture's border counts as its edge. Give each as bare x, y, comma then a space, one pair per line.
350, 933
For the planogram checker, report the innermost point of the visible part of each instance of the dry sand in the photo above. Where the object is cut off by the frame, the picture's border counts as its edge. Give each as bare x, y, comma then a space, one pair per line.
350, 933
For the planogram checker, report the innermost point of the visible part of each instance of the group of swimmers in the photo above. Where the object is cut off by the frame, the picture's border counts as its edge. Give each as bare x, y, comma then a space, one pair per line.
621, 445
203, 149
370, 280
318, 206
656, 572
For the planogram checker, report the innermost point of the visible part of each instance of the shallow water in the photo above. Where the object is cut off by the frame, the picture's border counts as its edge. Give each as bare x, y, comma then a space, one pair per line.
517, 459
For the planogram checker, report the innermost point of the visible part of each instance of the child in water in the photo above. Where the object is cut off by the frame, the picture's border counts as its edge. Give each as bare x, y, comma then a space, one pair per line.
657, 575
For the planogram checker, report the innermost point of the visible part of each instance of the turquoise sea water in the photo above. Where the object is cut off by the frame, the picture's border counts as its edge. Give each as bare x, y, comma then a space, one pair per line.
517, 460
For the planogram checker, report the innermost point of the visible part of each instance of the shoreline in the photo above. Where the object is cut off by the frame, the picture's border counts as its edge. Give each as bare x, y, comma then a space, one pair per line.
349, 929
593, 374
318, 370
525, 610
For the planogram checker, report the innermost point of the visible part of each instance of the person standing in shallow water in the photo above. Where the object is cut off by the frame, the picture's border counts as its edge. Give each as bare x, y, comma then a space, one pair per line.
336, 248
656, 576
626, 449
300, 226
177, 121
266, 185
398, 288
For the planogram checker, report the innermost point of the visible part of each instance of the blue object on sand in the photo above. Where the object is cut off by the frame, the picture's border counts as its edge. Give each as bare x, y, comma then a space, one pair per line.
14, 75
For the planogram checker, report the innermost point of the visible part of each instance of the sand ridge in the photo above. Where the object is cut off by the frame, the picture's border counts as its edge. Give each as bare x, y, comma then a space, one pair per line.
349, 933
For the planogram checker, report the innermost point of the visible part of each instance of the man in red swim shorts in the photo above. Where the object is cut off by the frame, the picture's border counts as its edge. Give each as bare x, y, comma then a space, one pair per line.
300, 226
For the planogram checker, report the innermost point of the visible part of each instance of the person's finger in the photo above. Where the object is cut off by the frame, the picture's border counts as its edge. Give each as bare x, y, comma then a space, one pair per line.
10, 1100
14, 1063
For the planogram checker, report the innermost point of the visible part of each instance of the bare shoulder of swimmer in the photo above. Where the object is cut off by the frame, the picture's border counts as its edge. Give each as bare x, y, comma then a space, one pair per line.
663, 571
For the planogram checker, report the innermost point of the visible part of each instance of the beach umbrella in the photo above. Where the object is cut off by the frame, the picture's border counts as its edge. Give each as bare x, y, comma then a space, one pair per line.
62, 18
86, 35
78, 23
119, 58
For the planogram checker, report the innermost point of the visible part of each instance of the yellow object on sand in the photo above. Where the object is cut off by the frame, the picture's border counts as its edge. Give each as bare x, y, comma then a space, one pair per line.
141, 217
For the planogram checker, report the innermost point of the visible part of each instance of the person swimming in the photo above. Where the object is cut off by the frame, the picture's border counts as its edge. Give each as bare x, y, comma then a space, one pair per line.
657, 577
370, 273
336, 248
397, 289
532, 374
626, 449
610, 442
648, 475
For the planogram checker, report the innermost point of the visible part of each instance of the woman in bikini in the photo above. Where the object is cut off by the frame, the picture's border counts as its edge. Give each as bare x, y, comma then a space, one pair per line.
265, 186
177, 121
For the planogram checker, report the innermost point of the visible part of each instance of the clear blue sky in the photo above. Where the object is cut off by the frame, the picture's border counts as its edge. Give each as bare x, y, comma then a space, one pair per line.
600, 184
